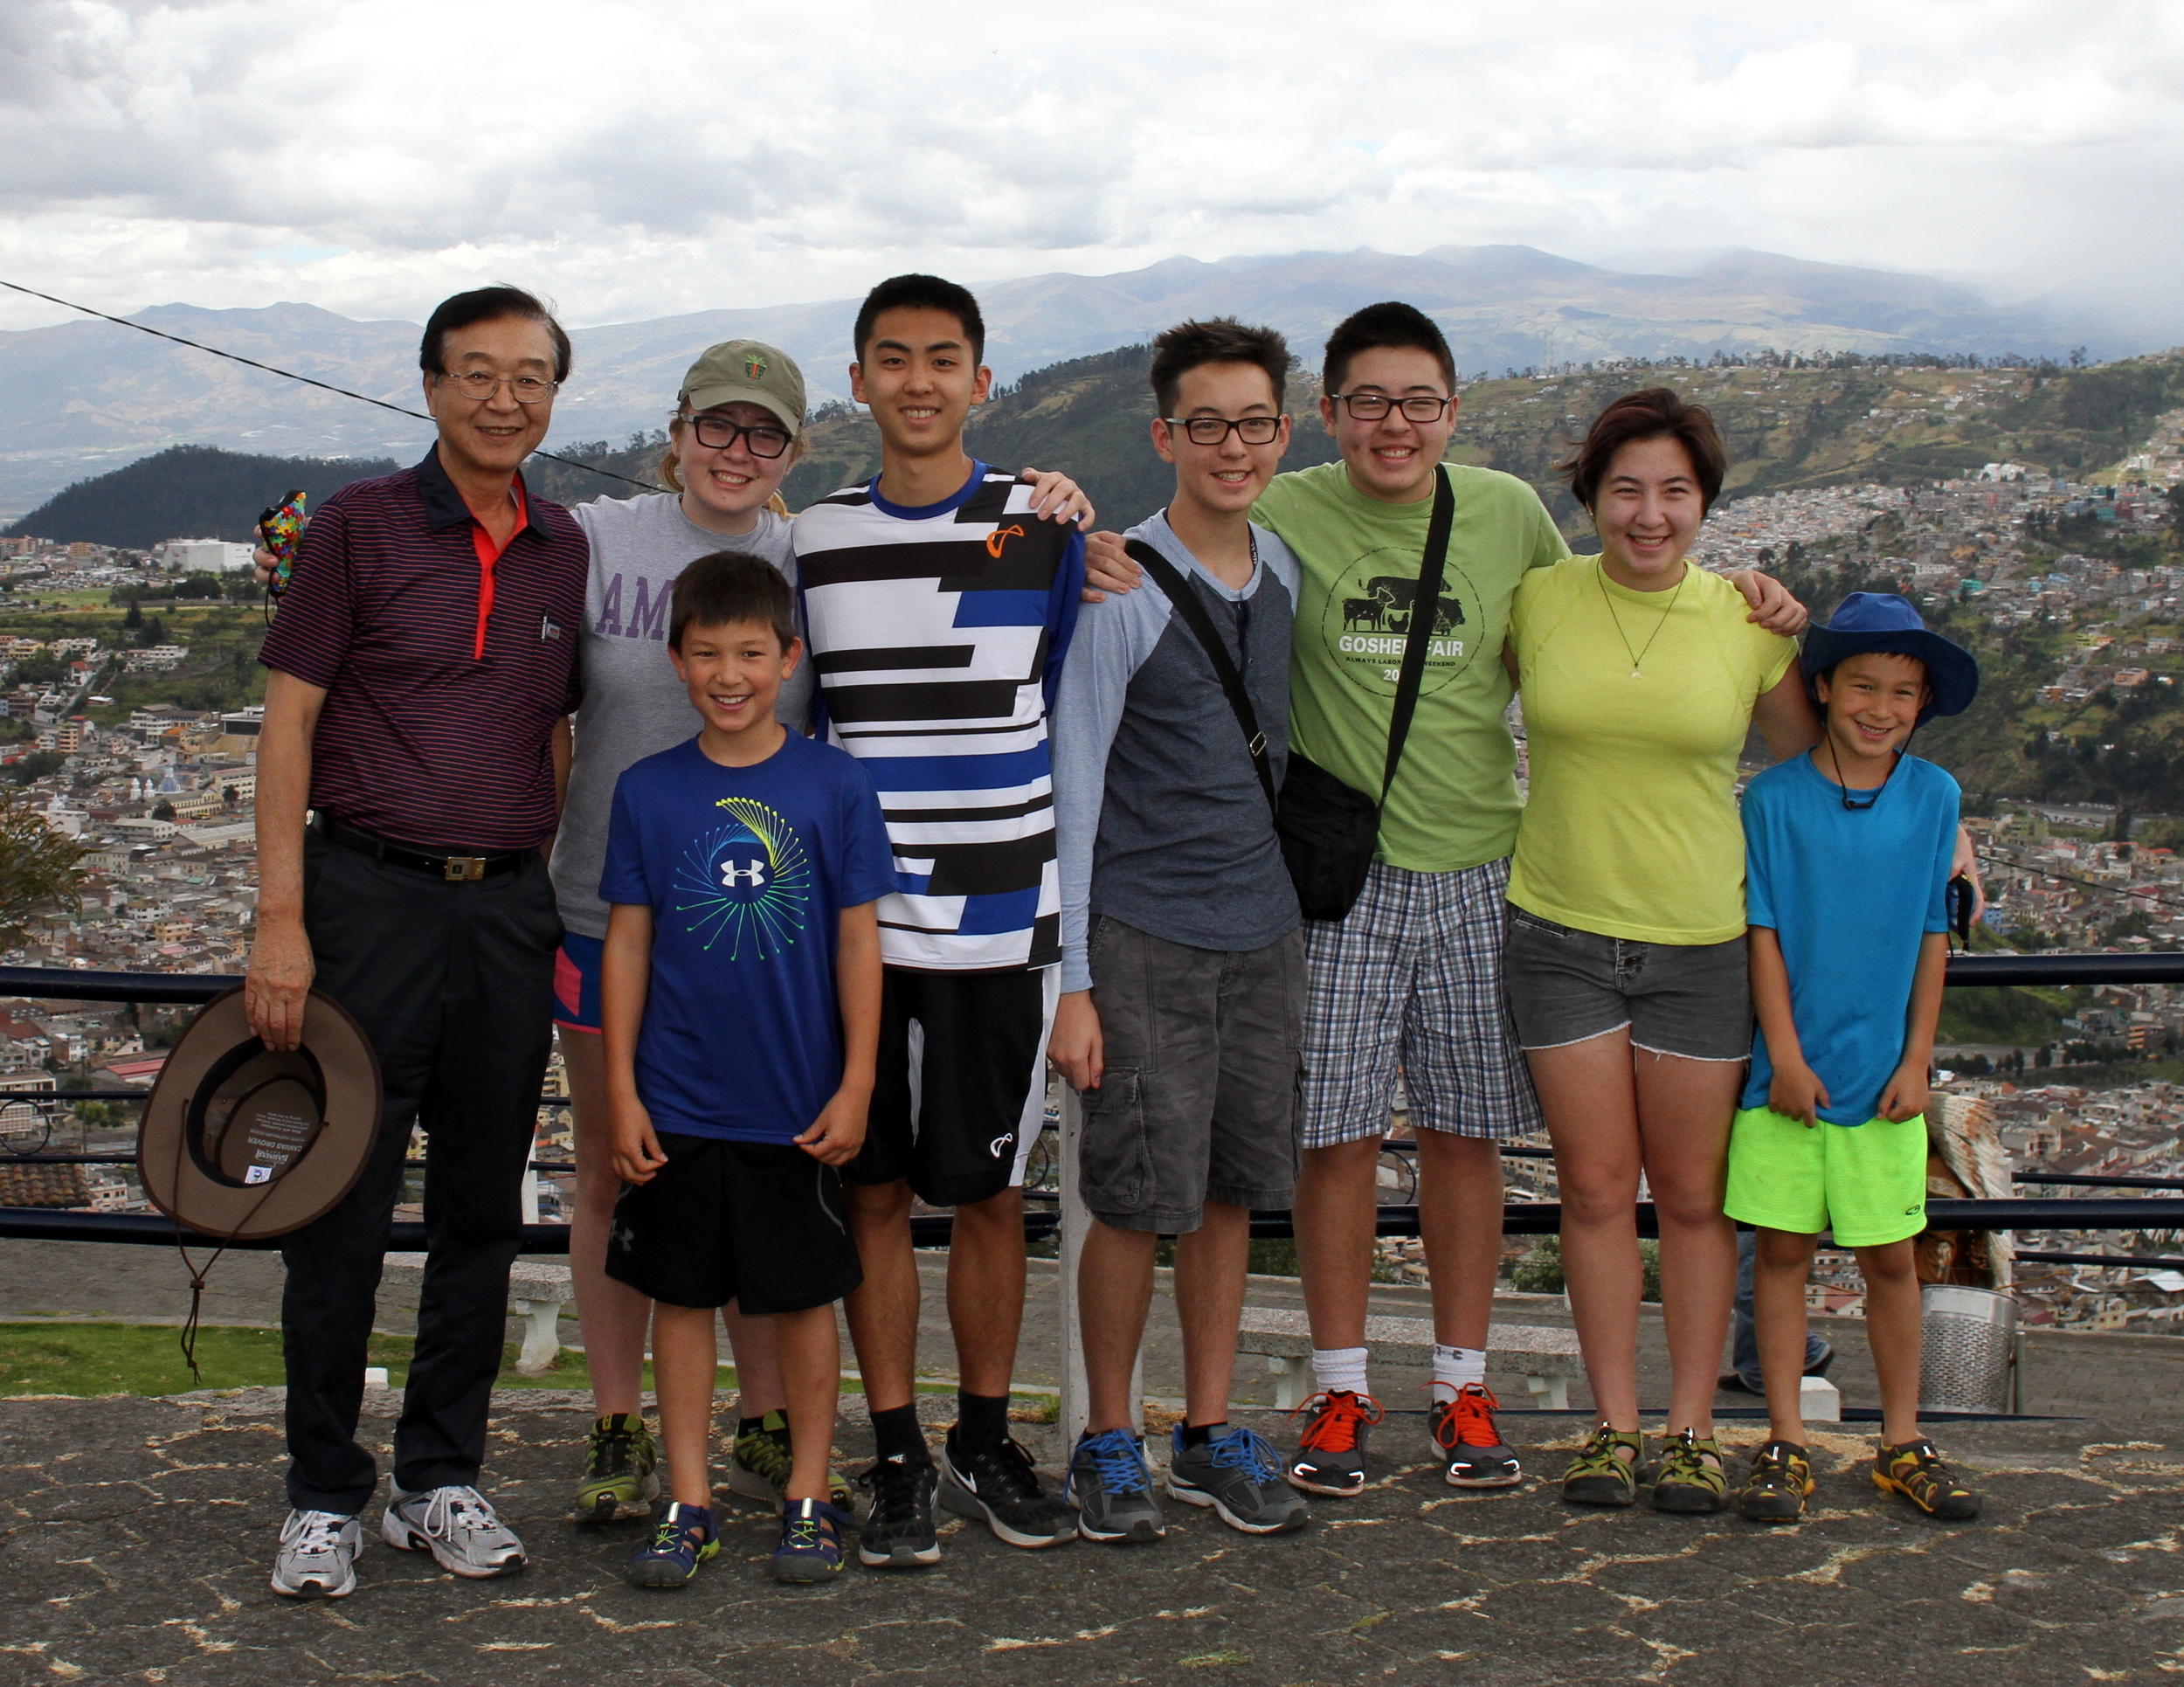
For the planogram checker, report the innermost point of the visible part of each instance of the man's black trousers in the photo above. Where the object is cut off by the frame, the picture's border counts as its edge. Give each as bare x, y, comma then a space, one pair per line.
453, 984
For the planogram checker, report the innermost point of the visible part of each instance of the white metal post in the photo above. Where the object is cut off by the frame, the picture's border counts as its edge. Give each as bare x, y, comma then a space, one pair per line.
1075, 1221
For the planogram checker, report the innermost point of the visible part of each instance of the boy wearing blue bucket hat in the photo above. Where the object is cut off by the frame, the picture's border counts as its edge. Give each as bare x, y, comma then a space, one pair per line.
1848, 851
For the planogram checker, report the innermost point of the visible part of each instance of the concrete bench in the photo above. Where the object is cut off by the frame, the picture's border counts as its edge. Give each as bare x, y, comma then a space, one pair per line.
537, 1293
1545, 1356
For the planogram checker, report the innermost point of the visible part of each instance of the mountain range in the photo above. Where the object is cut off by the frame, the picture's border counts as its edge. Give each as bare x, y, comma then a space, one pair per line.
79, 398
1784, 428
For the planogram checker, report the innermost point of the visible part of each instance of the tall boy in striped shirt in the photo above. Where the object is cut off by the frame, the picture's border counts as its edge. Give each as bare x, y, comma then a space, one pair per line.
939, 606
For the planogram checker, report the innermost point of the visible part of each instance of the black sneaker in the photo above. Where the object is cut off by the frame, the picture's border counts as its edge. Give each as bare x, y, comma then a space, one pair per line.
1331, 1448
898, 1531
1464, 1436
1000, 1486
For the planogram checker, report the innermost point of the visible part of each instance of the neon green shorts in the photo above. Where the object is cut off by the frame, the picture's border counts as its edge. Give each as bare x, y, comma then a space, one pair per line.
1867, 1182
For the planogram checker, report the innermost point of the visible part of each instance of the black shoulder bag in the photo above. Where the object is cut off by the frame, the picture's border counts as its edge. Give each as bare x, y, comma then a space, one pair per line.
1186, 602
1330, 830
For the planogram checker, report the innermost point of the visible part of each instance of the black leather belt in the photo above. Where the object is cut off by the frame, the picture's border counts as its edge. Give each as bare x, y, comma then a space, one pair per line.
444, 864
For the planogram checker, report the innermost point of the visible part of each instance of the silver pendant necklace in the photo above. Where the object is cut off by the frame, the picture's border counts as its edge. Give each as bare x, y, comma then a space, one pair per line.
1638, 657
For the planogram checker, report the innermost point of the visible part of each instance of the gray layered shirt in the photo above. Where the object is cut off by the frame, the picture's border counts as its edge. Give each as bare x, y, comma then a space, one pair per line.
634, 706
1160, 820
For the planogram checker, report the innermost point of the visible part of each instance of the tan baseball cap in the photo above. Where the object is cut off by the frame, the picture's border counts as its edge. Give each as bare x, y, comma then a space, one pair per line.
749, 372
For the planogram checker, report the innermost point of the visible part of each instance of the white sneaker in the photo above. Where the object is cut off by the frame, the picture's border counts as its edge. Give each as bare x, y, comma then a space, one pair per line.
458, 1527
318, 1553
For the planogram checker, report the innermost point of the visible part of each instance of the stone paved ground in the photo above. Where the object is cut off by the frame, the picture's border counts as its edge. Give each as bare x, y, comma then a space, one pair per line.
136, 1533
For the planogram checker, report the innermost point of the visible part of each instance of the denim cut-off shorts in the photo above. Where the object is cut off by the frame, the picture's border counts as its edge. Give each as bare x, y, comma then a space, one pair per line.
1566, 986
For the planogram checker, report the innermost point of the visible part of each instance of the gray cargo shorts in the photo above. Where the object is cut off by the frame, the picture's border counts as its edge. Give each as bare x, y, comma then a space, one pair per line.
1198, 1099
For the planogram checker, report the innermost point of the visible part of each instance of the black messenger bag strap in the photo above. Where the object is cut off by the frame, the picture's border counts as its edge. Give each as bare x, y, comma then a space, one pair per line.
1425, 611
1186, 601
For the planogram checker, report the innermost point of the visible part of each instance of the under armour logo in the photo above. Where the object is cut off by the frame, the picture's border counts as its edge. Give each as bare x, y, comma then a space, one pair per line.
1000, 535
731, 875
999, 1144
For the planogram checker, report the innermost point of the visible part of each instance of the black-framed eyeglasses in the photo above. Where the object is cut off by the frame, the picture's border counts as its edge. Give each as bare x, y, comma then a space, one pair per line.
479, 387
1374, 406
1213, 430
718, 433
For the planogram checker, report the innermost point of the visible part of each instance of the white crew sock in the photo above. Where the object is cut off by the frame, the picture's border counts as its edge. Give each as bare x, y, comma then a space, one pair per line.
1454, 1367
1339, 1370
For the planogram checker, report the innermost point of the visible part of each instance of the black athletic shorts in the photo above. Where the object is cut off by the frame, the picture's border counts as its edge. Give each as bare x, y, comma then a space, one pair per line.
761, 1223
961, 1085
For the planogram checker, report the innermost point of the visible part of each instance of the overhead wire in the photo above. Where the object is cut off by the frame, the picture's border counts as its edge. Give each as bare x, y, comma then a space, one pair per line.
290, 375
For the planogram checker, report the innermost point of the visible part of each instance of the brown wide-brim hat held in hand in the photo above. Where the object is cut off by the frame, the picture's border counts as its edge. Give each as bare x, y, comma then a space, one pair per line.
240, 1141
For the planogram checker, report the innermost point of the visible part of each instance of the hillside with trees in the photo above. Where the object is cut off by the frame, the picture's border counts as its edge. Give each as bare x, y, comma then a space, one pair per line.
188, 492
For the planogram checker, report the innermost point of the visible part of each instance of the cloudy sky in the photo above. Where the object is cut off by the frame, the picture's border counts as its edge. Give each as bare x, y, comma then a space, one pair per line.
633, 159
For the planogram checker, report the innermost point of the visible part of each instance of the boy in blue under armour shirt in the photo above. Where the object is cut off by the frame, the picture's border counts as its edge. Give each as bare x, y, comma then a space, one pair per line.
1847, 856
740, 1010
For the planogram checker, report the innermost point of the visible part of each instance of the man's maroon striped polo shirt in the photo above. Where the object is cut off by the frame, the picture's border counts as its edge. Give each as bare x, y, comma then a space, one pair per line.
430, 733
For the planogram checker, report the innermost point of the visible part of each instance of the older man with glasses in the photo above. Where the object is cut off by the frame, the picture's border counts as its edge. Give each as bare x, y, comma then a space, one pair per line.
410, 776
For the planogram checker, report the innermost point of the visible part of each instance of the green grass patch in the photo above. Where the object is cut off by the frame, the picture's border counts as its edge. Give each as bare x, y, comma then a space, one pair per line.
40, 1357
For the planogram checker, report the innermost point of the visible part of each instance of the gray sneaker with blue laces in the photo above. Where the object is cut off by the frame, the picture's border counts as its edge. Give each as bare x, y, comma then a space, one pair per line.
1238, 1474
1112, 1490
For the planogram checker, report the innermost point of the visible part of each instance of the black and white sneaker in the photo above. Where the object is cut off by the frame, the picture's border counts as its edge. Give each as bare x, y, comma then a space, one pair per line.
458, 1527
318, 1555
898, 1531
1000, 1486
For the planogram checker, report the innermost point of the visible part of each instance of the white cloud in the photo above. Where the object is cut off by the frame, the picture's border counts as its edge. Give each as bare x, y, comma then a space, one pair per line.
634, 157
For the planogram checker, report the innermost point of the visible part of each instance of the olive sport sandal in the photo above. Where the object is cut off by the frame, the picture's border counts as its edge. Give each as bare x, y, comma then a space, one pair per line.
1691, 1478
1604, 1472
1776, 1490
1915, 1470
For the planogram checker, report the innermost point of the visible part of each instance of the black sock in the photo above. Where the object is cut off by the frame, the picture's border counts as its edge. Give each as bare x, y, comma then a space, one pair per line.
897, 1433
981, 1420
750, 1425
1197, 1434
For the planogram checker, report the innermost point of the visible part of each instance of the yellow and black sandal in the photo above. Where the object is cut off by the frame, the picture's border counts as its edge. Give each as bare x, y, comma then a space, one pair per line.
1781, 1478
1600, 1474
1692, 1477
1915, 1470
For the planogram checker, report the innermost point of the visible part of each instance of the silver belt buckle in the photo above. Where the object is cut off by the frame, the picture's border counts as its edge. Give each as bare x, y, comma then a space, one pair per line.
464, 869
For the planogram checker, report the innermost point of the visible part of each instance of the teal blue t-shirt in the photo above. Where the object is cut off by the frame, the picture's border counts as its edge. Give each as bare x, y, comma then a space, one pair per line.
1850, 893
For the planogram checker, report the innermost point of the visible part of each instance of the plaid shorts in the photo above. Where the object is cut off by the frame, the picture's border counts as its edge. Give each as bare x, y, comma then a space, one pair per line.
1411, 979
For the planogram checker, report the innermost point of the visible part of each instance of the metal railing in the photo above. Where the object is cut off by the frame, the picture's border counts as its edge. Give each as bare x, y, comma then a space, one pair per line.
1519, 1217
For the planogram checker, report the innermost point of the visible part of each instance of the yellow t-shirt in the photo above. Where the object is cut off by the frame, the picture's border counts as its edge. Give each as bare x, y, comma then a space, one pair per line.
1630, 828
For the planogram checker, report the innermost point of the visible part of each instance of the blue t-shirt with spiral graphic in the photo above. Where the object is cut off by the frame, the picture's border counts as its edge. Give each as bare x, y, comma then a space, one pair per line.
746, 871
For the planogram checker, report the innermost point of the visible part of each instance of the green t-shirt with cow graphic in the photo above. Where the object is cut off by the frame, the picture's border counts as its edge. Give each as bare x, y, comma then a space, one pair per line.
1454, 803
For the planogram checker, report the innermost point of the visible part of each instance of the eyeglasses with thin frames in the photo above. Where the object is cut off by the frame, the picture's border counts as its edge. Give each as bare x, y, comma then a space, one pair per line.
479, 387
1374, 406
1213, 430
718, 433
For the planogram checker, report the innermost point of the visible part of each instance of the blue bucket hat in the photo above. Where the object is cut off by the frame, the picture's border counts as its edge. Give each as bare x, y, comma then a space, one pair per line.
1883, 621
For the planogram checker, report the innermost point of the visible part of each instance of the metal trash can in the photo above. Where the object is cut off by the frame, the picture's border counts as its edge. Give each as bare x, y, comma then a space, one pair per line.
1968, 1362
